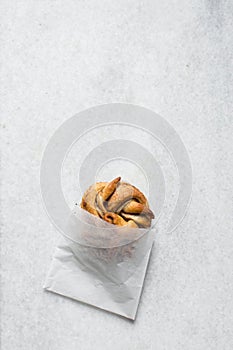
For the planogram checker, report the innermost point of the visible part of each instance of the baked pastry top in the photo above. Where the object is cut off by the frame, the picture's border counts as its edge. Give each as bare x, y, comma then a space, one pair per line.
118, 203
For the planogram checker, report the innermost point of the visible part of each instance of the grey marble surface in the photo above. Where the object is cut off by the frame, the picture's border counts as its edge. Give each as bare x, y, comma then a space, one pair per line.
174, 57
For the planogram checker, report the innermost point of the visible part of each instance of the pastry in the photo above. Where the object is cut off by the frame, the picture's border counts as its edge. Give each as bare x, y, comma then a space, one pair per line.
118, 203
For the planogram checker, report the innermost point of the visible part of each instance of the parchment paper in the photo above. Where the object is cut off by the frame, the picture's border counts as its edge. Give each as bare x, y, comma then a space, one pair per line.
101, 264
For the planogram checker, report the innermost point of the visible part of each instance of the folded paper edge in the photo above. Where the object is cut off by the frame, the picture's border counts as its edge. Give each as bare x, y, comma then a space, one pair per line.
132, 317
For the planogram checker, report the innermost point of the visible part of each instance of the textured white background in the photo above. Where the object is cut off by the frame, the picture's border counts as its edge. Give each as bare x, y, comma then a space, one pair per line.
175, 57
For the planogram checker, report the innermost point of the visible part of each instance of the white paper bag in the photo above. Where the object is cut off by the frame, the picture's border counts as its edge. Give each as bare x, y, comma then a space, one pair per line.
101, 264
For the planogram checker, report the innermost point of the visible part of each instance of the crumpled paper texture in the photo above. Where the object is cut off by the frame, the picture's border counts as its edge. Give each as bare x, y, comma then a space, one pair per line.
101, 264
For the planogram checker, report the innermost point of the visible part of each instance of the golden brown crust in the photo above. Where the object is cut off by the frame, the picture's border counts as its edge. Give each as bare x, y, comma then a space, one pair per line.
89, 197
116, 219
119, 203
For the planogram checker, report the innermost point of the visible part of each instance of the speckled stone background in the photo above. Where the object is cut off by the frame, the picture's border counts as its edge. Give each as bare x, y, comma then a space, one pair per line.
175, 57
